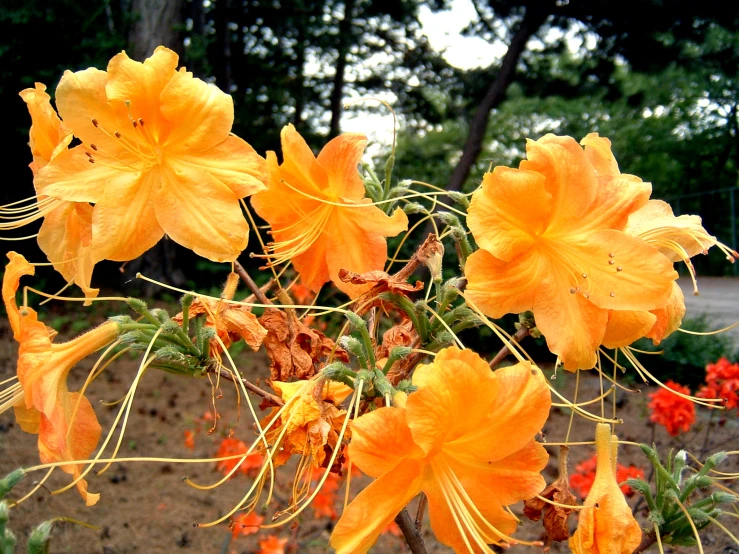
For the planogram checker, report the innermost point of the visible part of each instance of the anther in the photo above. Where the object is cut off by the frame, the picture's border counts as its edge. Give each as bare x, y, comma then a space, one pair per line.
611, 255
586, 295
578, 289
619, 268
94, 147
584, 275
91, 160
612, 294
572, 290
94, 122
141, 122
88, 154
611, 262
117, 134
135, 124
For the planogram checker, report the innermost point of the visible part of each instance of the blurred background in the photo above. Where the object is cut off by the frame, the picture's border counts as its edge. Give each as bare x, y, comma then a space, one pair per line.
469, 81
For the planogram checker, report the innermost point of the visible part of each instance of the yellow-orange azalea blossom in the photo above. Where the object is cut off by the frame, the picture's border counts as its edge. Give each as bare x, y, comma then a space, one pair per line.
156, 157
66, 233
606, 525
311, 424
552, 240
65, 421
465, 438
319, 216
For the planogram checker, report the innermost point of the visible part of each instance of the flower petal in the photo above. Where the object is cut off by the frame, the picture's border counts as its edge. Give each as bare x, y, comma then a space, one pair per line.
200, 213
569, 178
617, 198
375, 507
669, 317
340, 158
14, 270
453, 399
381, 440
47, 136
234, 163
500, 221
66, 239
522, 402
137, 86
200, 115
573, 326
300, 168
598, 152
627, 326
498, 288
373, 220
124, 223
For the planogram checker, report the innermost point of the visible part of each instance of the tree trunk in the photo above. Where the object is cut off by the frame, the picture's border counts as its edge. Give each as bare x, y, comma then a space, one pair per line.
156, 23
222, 58
345, 29
533, 19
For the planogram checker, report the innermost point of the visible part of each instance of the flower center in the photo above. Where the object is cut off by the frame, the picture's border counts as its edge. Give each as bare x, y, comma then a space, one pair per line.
137, 147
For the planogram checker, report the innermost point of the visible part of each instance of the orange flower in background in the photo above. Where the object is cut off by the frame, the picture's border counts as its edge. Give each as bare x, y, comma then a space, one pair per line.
65, 235
552, 240
156, 157
672, 411
582, 480
272, 544
245, 525
189, 439
465, 438
232, 447
606, 524
319, 216
65, 421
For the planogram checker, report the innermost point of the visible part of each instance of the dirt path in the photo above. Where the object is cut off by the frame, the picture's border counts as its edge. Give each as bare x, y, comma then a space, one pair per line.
719, 299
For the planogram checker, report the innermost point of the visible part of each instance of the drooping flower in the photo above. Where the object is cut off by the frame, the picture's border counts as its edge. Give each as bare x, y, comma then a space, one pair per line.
674, 412
582, 480
65, 235
65, 421
156, 157
319, 215
311, 423
552, 240
465, 438
606, 525
722, 381
231, 321
246, 524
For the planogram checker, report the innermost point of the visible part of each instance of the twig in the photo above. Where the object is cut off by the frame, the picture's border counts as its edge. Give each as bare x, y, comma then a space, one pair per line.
708, 434
256, 291
422, 502
411, 534
276, 400
522, 333
648, 539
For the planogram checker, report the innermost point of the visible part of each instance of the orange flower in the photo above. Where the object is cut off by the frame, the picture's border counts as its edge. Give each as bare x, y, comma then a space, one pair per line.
722, 381
156, 157
65, 235
189, 439
675, 412
65, 421
552, 240
245, 525
606, 525
465, 438
319, 216
272, 545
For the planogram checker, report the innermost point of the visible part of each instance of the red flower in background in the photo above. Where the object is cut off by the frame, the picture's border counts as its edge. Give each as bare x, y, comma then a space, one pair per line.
582, 480
189, 439
674, 412
722, 381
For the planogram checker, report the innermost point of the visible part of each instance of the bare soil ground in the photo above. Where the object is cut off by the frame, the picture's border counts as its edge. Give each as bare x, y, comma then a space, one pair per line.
146, 507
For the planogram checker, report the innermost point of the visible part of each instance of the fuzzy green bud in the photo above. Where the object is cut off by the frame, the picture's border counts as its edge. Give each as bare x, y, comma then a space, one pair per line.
9, 481
38, 542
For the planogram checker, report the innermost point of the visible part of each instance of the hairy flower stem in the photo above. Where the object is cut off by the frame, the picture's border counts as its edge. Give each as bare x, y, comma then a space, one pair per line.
410, 533
277, 401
